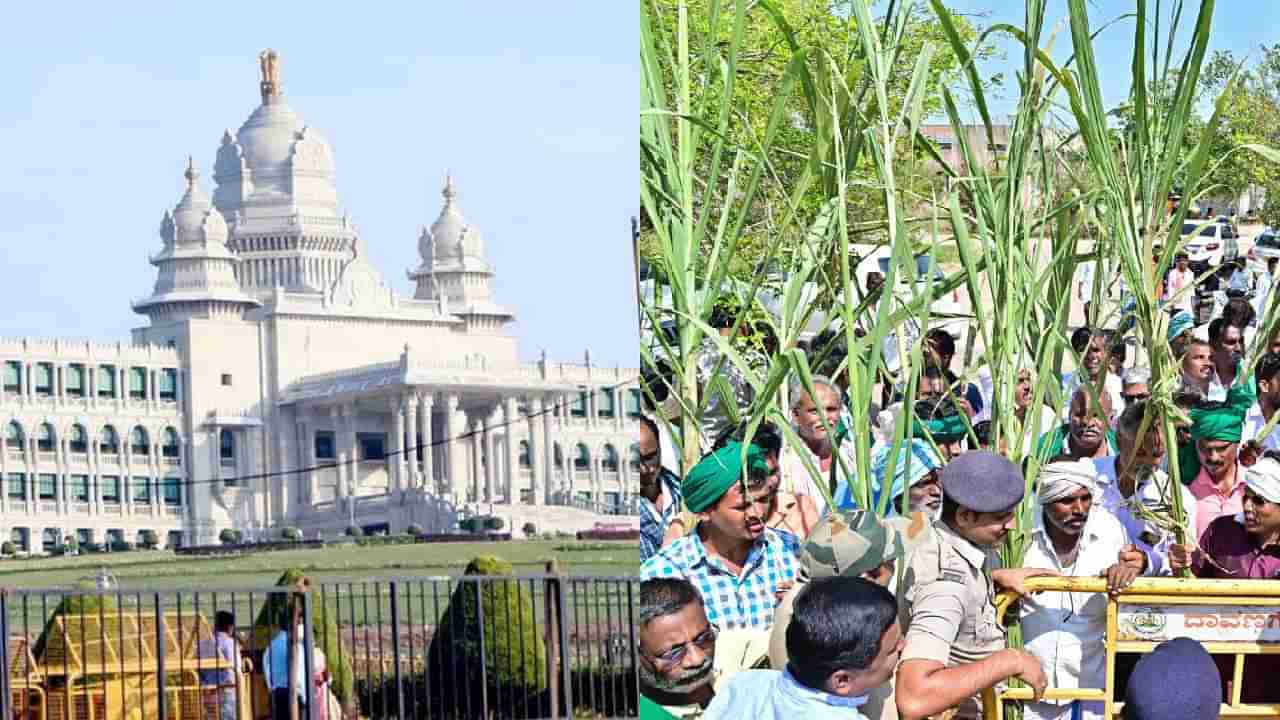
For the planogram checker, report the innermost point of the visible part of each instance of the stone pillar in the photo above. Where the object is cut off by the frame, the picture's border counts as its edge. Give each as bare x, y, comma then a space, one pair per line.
490, 459
340, 468
306, 457
353, 447
455, 447
538, 446
409, 458
397, 467
477, 467
509, 416
549, 449
428, 401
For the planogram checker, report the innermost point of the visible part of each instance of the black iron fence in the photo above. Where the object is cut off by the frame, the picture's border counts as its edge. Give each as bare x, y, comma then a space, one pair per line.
542, 646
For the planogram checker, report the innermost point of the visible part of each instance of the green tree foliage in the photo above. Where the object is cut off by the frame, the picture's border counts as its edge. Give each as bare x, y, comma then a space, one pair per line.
1249, 114
50, 646
229, 536
324, 629
512, 648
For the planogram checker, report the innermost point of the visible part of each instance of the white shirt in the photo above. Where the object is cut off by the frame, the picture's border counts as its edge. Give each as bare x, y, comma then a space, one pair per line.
1262, 295
1254, 422
1177, 281
1150, 495
1065, 630
795, 478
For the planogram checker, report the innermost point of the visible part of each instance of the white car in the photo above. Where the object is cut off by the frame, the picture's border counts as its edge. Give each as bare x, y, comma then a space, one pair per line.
1211, 245
1265, 247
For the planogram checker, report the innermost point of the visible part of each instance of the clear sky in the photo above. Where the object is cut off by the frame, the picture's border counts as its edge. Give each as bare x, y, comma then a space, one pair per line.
1238, 25
532, 106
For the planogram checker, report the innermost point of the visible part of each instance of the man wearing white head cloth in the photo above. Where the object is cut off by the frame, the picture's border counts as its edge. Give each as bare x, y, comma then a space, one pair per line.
1075, 538
1246, 545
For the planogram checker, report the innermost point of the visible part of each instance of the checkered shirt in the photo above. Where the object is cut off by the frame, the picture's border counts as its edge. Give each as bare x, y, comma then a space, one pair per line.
732, 601
654, 522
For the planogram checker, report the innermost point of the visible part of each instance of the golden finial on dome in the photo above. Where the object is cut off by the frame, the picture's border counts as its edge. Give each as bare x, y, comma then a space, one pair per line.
270, 65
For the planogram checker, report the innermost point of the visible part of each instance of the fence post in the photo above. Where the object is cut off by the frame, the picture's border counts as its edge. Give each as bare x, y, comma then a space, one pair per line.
309, 658
395, 647
6, 702
160, 676
484, 673
558, 629
550, 605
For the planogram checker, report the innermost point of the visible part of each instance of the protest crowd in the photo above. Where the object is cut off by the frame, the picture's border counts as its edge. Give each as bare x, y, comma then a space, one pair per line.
769, 590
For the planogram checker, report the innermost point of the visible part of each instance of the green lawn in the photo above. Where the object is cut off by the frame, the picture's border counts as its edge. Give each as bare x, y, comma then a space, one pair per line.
162, 570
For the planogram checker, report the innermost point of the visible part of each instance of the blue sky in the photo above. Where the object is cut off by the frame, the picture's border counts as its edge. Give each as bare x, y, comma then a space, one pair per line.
1238, 25
532, 106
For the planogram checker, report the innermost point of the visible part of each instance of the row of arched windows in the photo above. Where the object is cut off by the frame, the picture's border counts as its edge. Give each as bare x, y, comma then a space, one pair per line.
108, 439
582, 457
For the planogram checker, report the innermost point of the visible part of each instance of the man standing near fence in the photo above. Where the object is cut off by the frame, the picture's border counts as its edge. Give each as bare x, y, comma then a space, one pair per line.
226, 648
954, 646
275, 668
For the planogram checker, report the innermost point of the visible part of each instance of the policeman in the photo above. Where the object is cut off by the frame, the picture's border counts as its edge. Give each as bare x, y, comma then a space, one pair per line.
954, 646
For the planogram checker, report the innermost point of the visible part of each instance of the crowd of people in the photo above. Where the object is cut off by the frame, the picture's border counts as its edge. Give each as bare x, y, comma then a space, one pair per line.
768, 593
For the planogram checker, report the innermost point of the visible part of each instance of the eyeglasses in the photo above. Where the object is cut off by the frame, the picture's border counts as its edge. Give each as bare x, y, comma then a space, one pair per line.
1136, 397
674, 656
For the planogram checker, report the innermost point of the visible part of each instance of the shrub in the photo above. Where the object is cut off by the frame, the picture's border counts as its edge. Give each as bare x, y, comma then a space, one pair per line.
415, 530
150, 539
529, 530
471, 524
8, 548
324, 630
493, 523
291, 534
354, 531
229, 536
512, 647
609, 534
121, 546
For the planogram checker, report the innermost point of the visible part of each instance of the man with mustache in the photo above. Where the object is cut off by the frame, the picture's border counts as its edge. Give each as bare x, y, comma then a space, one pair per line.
1087, 432
1267, 375
1132, 485
814, 420
1246, 546
1216, 431
842, 644
738, 564
1075, 538
954, 647
677, 647
847, 544
915, 470
1197, 367
1227, 341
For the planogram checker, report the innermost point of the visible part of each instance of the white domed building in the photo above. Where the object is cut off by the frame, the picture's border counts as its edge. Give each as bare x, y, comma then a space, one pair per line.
280, 381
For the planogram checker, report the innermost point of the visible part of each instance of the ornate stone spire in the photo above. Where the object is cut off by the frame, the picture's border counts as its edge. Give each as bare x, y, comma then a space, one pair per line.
449, 192
270, 85
191, 175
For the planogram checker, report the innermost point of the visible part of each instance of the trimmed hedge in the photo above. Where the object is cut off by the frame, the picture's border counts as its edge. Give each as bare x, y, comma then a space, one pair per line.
631, 534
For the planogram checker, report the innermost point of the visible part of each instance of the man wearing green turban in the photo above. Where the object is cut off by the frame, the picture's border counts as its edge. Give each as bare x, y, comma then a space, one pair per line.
1215, 432
738, 564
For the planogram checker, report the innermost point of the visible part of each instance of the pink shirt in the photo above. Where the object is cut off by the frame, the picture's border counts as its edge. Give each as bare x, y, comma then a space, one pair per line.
1211, 504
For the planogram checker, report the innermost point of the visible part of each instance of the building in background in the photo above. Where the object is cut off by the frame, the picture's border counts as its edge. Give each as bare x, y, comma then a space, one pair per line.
280, 381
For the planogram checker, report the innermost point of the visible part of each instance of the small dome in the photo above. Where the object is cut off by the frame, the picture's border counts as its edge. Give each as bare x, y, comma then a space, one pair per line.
452, 237
193, 219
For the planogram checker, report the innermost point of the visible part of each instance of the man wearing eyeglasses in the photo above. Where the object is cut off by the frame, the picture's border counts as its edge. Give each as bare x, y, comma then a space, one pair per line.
659, 493
1135, 386
677, 647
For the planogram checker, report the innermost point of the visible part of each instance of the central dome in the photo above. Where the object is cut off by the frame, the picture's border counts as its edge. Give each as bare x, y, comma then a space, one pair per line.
267, 137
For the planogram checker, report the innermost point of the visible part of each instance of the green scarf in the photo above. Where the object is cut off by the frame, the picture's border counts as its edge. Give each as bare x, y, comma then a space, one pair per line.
714, 474
1054, 443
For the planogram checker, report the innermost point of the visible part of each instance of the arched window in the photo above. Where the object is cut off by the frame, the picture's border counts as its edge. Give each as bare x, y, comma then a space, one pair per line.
524, 454
46, 440
583, 459
610, 459
170, 447
634, 457
14, 436
78, 439
110, 442
138, 444
227, 446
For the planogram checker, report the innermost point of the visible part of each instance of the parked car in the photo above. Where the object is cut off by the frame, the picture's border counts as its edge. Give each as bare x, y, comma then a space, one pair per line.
1265, 247
1210, 245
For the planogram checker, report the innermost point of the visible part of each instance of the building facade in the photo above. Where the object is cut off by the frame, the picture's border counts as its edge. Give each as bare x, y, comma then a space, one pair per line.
280, 381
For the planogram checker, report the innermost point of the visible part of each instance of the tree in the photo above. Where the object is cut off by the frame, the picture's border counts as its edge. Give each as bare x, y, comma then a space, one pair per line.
150, 539
229, 536
1252, 101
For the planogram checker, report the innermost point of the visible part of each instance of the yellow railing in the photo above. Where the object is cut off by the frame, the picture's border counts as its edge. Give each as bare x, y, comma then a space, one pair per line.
1149, 609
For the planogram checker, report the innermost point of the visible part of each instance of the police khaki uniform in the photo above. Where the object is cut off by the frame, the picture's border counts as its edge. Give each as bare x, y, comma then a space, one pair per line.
948, 604
848, 543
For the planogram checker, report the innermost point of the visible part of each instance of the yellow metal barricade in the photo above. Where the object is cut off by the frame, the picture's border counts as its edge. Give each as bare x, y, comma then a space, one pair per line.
1234, 618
